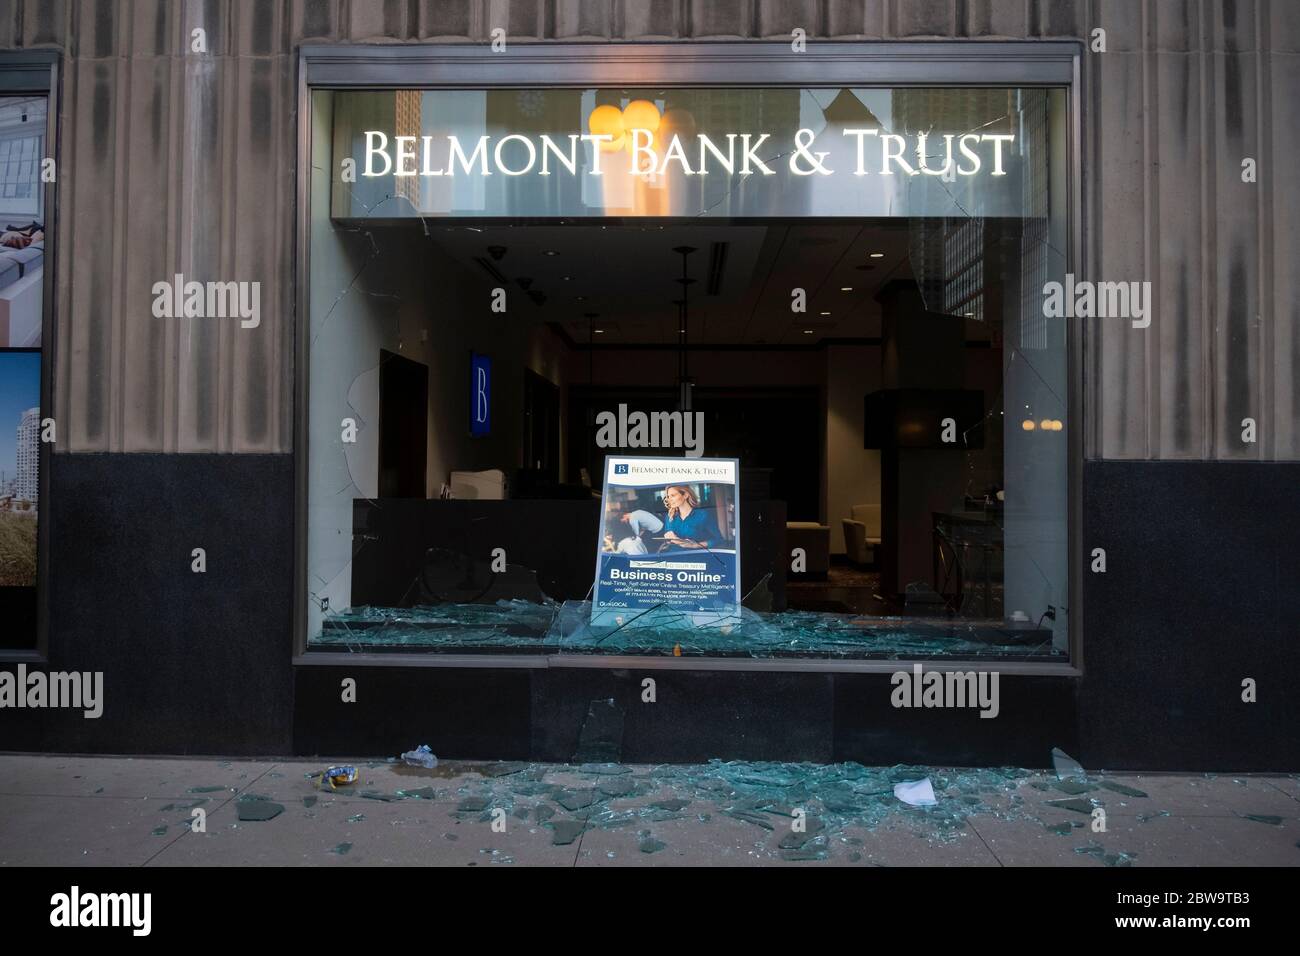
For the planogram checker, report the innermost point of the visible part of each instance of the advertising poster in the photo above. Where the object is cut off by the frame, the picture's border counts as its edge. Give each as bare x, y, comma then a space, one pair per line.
670, 539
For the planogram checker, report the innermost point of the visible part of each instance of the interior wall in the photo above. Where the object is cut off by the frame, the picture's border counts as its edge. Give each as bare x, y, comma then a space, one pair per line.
548, 356
456, 314
658, 367
844, 373
363, 297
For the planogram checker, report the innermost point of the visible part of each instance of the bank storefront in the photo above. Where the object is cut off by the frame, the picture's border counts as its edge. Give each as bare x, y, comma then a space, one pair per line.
674, 395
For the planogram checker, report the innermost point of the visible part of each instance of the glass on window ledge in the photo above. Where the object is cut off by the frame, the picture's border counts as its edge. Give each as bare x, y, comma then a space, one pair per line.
518, 626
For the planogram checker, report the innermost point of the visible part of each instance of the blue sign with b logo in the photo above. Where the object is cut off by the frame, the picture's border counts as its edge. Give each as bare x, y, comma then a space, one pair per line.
620, 469
480, 395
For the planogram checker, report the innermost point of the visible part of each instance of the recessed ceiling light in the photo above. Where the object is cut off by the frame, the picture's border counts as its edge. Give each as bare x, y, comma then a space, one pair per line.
807, 331
846, 288
877, 255
550, 252
579, 298
825, 313
567, 278
598, 331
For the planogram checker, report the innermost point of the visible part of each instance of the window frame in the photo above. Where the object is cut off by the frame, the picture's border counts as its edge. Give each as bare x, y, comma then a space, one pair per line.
39, 73
37, 203
664, 64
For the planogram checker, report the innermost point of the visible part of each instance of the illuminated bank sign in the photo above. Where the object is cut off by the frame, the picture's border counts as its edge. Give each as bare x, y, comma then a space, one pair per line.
480, 395
739, 153
692, 153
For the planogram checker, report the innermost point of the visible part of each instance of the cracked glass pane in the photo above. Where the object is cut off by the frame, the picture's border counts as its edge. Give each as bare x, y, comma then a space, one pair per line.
843, 286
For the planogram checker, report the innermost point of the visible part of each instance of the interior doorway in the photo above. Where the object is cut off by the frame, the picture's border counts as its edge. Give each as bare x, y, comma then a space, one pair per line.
403, 426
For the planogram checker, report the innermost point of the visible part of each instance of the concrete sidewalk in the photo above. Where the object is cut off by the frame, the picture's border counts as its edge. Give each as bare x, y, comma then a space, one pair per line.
121, 811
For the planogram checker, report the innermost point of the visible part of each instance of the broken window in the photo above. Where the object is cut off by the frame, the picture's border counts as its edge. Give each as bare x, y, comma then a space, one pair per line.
842, 287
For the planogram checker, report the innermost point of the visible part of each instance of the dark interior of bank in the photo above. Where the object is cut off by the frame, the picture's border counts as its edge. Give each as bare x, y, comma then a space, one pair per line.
855, 370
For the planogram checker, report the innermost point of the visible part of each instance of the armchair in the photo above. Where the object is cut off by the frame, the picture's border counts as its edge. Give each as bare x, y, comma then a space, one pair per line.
862, 533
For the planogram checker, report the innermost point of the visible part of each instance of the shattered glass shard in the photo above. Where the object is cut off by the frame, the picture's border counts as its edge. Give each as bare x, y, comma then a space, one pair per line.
532, 789
650, 845
1078, 806
420, 793
257, 810
612, 819
576, 799
565, 832
503, 769
671, 805
618, 788
749, 817
187, 805
1065, 765
1122, 788
1264, 818
810, 852
1073, 786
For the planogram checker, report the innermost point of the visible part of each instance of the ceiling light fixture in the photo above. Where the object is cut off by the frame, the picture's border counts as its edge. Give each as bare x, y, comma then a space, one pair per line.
877, 255
846, 288
549, 252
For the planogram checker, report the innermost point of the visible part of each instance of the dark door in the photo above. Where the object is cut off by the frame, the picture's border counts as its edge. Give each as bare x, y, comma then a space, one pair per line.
403, 426
541, 427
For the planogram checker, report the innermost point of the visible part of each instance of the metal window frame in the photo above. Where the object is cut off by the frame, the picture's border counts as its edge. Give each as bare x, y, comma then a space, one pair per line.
664, 64
39, 73
38, 201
